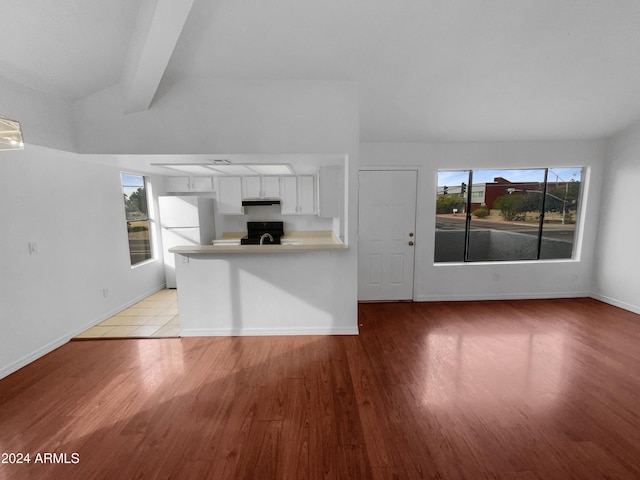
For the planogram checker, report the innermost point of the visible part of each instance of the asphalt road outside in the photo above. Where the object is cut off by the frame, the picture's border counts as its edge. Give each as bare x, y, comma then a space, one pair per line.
550, 230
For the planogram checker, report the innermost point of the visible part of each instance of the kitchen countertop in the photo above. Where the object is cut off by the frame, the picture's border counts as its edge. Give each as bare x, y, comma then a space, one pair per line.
291, 242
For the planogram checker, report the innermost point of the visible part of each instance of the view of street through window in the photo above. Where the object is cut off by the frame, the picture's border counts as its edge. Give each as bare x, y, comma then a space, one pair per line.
137, 215
494, 215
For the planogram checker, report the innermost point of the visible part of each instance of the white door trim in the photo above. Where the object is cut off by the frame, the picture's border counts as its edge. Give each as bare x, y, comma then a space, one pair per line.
418, 209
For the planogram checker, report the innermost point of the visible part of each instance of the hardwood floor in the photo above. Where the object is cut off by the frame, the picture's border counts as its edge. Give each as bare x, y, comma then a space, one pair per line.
544, 389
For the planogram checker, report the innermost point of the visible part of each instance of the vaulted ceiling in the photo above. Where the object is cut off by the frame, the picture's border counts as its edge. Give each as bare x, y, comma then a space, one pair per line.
425, 69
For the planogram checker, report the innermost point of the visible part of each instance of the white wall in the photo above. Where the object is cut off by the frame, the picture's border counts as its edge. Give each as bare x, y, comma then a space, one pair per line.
242, 117
544, 279
71, 204
292, 223
217, 117
293, 293
44, 120
223, 116
616, 278
73, 209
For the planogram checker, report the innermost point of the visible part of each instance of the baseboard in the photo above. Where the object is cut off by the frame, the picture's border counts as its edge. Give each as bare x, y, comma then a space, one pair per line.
27, 359
261, 332
616, 303
51, 346
500, 296
116, 310
124, 306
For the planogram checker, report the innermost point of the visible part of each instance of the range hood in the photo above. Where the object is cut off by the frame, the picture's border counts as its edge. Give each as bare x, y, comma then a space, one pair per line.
254, 202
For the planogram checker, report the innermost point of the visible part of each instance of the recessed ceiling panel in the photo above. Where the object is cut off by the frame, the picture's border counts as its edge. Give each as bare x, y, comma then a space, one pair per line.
272, 169
228, 169
190, 169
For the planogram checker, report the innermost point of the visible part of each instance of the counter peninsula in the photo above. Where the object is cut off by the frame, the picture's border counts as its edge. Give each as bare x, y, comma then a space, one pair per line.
291, 242
288, 289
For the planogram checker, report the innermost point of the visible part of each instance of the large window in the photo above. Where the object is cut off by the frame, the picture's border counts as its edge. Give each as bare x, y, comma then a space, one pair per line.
495, 215
137, 214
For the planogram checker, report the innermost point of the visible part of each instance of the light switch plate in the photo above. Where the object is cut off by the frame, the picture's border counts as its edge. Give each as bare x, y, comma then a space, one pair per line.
33, 248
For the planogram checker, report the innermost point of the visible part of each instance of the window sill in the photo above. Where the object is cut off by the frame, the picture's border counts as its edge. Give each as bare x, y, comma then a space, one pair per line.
142, 264
551, 261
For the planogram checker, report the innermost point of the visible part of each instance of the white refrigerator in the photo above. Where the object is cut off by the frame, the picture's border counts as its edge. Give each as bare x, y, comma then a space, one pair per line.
184, 220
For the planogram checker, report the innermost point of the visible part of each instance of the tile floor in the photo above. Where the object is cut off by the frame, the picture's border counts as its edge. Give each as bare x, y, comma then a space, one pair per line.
155, 316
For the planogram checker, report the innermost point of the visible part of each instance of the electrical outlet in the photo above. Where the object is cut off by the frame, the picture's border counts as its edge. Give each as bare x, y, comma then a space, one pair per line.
496, 277
105, 292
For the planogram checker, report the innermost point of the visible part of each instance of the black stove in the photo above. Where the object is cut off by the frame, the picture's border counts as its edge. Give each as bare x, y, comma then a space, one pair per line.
269, 232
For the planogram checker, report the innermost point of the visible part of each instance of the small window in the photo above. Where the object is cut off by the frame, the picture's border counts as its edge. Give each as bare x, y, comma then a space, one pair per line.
497, 215
137, 217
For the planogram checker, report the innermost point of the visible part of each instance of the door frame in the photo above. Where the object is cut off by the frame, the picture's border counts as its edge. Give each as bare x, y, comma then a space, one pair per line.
418, 209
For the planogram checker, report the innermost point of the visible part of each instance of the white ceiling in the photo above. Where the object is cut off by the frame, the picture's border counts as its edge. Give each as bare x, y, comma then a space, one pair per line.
425, 69
167, 165
67, 49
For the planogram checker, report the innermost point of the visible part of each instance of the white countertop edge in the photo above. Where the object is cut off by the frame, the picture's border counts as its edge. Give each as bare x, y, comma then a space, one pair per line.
215, 249
305, 241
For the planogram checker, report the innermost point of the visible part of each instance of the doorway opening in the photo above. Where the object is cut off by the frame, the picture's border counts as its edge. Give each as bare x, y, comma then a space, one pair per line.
154, 317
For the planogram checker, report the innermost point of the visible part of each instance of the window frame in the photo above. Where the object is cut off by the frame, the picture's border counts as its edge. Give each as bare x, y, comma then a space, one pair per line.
468, 201
146, 218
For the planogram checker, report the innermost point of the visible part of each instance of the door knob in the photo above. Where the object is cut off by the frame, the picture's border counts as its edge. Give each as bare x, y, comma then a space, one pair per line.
411, 244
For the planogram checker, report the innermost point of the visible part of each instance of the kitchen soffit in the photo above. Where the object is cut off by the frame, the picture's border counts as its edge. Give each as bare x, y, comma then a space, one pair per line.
222, 169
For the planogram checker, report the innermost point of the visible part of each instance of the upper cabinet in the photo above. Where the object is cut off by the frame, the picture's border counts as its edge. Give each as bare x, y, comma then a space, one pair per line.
270, 187
331, 191
189, 184
251, 187
230, 196
289, 195
298, 195
261, 187
306, 195
321, 194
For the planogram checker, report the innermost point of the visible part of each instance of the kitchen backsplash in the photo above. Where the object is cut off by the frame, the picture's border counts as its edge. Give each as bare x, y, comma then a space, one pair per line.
238, 223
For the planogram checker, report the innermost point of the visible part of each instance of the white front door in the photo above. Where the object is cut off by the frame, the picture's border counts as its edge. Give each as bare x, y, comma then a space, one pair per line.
386, 234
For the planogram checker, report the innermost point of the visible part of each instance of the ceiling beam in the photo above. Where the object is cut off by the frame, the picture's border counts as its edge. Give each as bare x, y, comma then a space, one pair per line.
157, 30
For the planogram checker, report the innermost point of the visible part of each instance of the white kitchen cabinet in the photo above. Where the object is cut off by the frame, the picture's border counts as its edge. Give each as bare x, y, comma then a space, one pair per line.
202, 184
230, 196
189, 184
251, 187
270, 187
331, 191
289, 195
261, 187
178, 184
297, 195
306, 195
